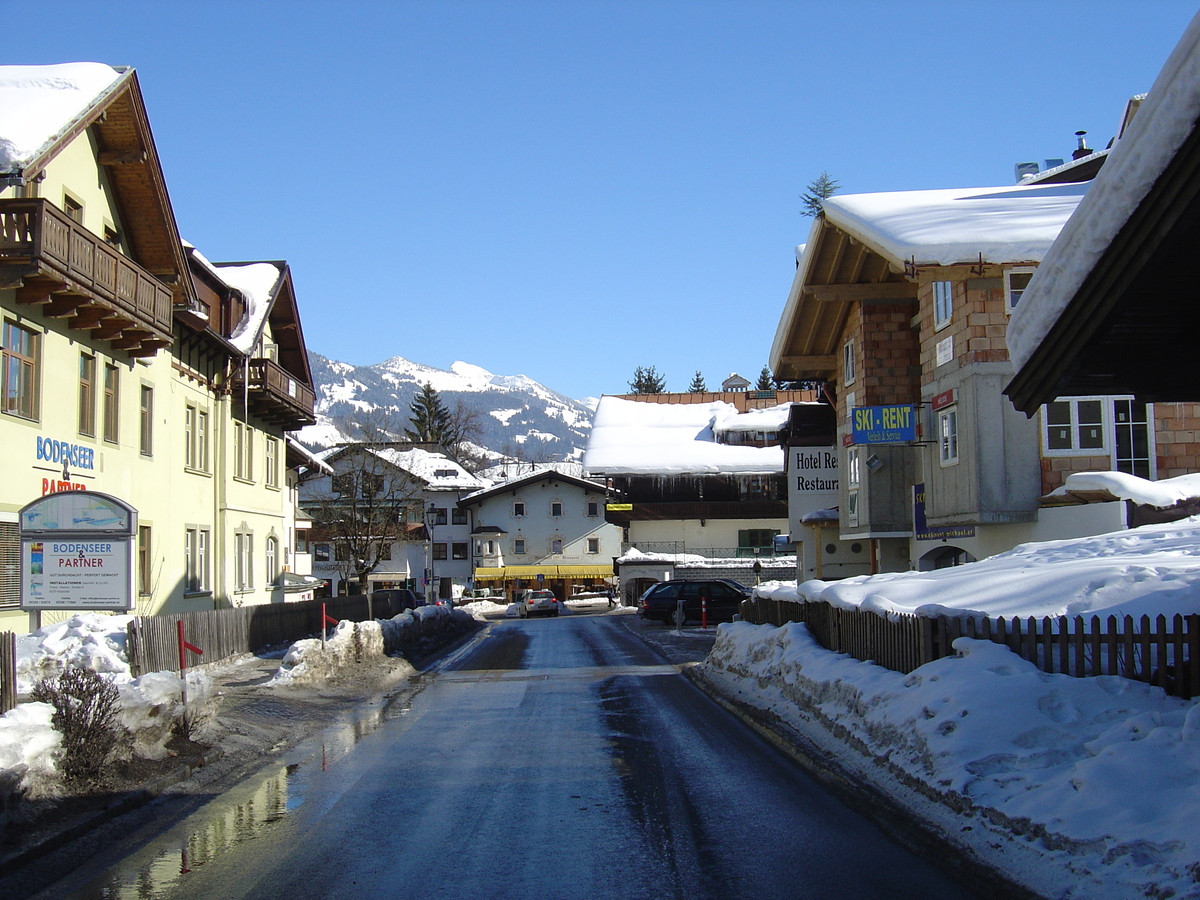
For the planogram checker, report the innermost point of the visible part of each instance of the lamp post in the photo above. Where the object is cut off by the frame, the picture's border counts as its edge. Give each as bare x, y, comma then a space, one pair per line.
430, 521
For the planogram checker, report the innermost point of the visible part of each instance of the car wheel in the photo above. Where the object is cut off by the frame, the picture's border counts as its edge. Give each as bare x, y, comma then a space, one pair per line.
676, 617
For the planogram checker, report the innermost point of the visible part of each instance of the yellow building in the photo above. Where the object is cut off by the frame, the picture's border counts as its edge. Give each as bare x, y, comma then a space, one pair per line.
130, 364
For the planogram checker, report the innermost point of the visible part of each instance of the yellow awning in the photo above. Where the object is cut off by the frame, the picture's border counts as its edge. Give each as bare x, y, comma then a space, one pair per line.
547, 571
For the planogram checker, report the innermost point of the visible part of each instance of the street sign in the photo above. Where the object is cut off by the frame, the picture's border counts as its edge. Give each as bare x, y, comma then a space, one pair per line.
884, 424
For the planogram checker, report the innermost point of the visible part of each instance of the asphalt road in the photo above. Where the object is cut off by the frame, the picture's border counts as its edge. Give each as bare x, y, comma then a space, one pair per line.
554, 758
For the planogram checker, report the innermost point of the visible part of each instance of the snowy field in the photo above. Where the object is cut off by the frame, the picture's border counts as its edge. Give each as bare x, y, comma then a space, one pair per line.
1078, 788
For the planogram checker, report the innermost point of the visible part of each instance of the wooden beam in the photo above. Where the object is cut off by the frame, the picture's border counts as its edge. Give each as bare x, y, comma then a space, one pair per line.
811, 363
63, 305
848, 293
120, 157
39, 290
108, 329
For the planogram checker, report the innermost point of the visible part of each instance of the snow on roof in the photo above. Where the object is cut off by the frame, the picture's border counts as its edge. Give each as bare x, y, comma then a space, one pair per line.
437, 470
772, 418
1159, 494
39, 103
946, 227
317, 461
630, 437
257, 282
1149, 570
1162, 124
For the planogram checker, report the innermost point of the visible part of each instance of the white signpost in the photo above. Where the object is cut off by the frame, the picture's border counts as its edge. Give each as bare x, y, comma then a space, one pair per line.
77, 552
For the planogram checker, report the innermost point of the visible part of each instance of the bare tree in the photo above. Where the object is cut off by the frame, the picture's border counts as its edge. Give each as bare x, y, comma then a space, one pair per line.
463, 436
362, 508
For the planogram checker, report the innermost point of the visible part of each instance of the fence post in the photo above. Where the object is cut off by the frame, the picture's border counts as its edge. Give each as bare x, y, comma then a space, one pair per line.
8, 671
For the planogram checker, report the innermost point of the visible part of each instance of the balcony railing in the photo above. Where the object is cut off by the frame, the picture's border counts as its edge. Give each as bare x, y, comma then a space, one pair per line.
78, 275
276, 394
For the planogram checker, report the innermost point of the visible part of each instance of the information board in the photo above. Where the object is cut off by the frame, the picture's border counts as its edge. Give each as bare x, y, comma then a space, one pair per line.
884, 424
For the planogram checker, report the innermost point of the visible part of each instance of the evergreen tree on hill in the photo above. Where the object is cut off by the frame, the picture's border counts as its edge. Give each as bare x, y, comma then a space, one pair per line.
429, 419
647, 380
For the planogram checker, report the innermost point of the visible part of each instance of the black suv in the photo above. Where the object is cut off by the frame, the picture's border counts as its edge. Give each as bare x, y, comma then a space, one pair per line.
661, 601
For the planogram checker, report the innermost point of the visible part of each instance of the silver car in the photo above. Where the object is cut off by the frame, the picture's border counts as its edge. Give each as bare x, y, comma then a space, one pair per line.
538, 603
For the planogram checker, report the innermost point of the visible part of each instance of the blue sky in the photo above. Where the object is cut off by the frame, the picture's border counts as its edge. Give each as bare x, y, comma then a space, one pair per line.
570, 190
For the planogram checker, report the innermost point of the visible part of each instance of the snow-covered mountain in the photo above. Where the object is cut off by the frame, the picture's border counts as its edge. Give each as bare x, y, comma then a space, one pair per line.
515, 413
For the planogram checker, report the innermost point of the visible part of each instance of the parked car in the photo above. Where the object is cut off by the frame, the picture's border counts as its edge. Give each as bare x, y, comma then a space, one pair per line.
661, 601
397, 600
538, 603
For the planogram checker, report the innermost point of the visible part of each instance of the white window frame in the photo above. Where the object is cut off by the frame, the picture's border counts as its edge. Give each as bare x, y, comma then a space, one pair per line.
272, 557
556, 546
243, 575
947, 436
593, 545
848, 374
271, 475
518, 546
195, 550
943, 304
1107, 434
556, 504
1010, 302
518, 509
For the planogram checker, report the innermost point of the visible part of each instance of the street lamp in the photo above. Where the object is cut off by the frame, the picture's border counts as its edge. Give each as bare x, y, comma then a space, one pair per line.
430, 521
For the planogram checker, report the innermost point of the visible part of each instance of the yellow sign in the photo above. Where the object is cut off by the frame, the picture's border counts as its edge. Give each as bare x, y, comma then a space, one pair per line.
619, 507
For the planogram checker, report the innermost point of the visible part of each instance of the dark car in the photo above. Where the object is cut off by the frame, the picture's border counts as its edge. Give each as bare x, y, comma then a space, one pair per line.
661, 601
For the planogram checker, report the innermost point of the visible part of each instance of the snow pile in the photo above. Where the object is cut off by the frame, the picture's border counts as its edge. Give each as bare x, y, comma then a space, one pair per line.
1159, 494
256, 282
1142, 571
152, 705
86, 640
478, 609
632, 437
28, 751
39, 103
1076, 787
313, 660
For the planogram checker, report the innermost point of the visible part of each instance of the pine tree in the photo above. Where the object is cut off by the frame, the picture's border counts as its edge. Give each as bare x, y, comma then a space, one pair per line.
697, 386
765, 381
429, 418
647, 380
818, 189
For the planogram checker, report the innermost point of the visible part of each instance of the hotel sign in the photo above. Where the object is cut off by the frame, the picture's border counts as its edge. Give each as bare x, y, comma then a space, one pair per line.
884, 424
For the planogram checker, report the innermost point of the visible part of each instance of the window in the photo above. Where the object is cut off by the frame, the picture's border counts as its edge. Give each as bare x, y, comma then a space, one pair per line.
593, 509
519, 546
439, 516
112, 385
1015, 282
20, 371
195, 438
321, 553
242, 451
458, 517
87, 394
385, 552
439, 551
556, 545
271, 473
73, 208
272, 555
146, 421
756, 538
112, 237
943, 303
852, 507
1132, 447
848, 362
556, 509
518, 509
593, 545
852, 482
144, 560
948, 436
10, 565
1075, 425
344, 485
243, 550
458, 550
196, 560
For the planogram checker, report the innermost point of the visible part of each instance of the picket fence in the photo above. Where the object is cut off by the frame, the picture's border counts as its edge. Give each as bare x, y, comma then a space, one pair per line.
8, 671
1160, 651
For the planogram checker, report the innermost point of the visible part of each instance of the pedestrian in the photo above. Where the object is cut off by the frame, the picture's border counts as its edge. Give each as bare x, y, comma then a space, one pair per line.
609, 593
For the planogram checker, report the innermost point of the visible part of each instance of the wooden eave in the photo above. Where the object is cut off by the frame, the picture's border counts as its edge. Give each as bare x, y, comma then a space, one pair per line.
126, 149
840, 271
1130, 327
284, 317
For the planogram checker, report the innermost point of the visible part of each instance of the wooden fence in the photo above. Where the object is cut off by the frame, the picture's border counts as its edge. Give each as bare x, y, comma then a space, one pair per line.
153, 641
1157, 651
8, 671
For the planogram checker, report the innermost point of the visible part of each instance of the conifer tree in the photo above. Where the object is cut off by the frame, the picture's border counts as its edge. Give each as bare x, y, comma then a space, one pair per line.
647, 380
818, 189
765, 382
697, 386
429, 418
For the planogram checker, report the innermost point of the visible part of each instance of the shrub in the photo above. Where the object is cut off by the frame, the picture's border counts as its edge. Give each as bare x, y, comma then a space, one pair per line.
87, 714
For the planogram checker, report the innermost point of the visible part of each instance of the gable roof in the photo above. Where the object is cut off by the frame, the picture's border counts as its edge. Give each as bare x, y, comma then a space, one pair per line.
526, 480
1110, 307
436, 471
44, 108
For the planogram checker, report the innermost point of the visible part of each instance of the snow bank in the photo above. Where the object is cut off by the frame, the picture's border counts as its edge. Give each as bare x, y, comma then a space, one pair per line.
86, 640
1075, 787
28, 752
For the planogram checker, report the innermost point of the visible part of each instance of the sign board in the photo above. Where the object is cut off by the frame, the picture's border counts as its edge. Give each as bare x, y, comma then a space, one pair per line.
619, 507
77, 552
884, 424
923, 532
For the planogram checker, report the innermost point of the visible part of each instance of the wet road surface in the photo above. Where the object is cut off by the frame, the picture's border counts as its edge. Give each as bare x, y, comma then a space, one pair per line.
556, 758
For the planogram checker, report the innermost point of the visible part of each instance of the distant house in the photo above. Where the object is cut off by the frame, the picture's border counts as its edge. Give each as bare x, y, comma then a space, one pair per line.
735, 382
545, 529
408, 497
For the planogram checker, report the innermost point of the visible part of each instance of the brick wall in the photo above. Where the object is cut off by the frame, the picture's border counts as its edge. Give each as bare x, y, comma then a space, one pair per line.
1177, 438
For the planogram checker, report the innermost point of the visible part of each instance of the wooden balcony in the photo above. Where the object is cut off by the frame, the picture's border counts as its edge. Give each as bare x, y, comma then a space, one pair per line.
275, 394
54, 261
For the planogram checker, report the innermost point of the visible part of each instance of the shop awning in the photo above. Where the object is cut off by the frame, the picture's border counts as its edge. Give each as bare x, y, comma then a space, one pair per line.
547, 571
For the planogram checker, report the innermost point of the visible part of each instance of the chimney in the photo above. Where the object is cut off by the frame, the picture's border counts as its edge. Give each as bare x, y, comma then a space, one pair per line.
1082, 150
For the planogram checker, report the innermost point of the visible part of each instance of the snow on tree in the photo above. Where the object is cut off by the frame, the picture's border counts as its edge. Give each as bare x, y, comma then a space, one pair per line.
818, 189
647, 380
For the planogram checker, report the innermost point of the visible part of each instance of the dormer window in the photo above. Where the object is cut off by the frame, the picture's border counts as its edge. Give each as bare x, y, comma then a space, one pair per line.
444, 473
73, 208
